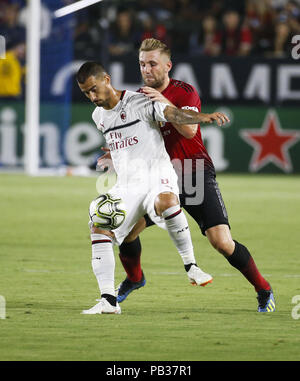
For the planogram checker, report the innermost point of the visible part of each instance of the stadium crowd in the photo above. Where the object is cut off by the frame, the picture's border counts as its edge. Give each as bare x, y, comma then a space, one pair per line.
190, 27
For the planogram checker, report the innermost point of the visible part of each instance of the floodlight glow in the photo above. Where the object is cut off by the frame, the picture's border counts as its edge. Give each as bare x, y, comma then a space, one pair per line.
74, 7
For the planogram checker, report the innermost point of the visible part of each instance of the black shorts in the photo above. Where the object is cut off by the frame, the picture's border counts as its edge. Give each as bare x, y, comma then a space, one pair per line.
211, 212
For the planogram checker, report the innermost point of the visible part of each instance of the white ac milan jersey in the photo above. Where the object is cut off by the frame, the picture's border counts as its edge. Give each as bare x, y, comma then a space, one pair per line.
134, 139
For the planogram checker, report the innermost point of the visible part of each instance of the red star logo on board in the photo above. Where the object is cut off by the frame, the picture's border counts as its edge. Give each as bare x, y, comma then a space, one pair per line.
271, 144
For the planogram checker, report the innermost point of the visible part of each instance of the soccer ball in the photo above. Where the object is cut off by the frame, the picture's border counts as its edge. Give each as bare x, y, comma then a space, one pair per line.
107, 212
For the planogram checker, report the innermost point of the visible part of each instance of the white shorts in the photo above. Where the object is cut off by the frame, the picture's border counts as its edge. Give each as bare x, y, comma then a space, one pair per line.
138, 203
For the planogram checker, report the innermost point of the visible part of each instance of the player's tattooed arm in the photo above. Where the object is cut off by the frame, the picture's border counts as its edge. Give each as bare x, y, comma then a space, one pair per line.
180, 116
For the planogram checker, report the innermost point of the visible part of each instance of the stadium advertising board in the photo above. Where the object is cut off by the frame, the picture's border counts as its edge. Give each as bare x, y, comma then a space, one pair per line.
259, 139
261, 97
247, 81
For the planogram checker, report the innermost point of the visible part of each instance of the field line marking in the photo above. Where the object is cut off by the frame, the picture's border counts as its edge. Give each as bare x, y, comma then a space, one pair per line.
152, 272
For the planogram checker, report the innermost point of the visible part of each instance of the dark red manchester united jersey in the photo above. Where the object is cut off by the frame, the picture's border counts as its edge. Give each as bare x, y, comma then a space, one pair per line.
184, 96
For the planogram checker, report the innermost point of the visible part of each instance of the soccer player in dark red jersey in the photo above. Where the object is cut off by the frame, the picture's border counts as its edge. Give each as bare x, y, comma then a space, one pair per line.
210, 215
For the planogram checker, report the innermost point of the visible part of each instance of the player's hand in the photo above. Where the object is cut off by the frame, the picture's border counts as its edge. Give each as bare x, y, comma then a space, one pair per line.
218, 117
155, 95
105, 162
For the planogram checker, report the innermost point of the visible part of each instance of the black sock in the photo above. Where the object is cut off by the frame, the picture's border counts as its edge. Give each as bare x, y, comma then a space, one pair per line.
187, 267
240, 257
242, 260
110, 298
131, 249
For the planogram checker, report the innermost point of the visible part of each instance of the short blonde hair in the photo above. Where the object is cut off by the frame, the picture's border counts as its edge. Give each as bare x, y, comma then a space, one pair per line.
150, 44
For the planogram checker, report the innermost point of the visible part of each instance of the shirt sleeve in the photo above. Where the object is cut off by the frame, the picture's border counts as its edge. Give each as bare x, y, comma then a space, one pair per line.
188, 99
158, 113
96, 116
148, 110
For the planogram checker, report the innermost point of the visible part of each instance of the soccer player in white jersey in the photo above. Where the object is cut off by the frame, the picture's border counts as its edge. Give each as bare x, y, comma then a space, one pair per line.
146, 180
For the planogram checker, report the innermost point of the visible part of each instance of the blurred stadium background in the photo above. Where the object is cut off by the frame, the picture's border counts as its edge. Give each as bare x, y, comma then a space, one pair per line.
243, 57
238, 54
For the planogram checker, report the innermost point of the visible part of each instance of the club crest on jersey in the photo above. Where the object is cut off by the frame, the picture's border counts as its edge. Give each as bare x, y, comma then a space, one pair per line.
123, 116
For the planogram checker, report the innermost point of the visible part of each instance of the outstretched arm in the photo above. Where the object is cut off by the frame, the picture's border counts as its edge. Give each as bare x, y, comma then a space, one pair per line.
179, 116
185, 121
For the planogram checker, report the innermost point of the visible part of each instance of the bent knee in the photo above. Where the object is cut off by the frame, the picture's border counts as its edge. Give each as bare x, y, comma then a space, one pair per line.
164, 201
223, 246
95, 230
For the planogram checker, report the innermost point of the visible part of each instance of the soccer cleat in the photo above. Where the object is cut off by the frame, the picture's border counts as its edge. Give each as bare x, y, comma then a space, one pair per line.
266, 301
198, 277
103, 307
127, 286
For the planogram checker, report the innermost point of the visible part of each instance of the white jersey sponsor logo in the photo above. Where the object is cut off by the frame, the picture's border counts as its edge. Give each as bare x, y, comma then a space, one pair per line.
133, 136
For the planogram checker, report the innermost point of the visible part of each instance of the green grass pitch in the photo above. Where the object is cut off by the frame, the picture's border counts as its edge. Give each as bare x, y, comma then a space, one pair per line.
46, 279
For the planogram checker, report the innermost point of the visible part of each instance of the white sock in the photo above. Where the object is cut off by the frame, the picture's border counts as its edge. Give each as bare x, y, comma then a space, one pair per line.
179, 231
103, 263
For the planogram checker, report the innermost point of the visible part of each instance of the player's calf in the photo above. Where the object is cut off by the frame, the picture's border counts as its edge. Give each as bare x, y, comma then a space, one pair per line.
167, 205
220, 238
178, 229
103, 264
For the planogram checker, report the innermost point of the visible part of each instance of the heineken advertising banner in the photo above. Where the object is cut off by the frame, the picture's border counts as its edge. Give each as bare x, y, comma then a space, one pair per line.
258, 139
